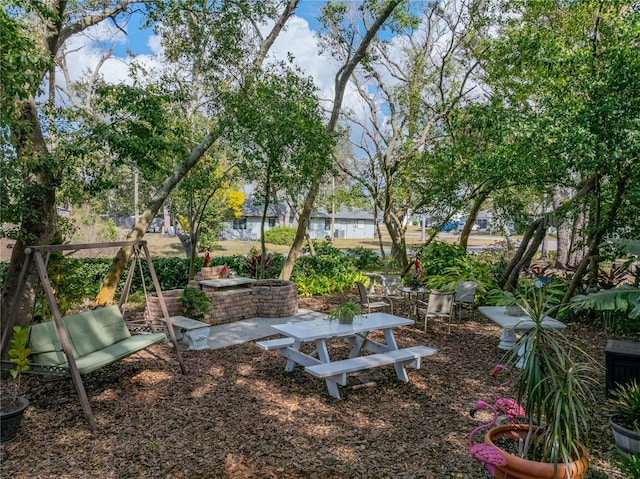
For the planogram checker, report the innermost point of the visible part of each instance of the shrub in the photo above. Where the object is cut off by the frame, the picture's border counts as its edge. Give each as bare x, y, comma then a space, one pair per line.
438, 255
257, 267
366, 259
327, 272
195, 303
282, 235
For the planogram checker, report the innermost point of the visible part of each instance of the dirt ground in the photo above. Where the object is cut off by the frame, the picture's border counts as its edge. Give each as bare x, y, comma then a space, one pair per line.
238, 414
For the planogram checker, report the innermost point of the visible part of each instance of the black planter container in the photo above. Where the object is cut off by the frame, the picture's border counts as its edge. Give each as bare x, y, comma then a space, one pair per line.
10, 421
626, 439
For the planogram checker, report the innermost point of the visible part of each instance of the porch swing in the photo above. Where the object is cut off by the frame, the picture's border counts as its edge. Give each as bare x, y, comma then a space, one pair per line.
83, 342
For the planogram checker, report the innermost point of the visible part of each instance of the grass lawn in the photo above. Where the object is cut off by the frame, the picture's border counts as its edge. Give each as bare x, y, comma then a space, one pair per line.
170, 246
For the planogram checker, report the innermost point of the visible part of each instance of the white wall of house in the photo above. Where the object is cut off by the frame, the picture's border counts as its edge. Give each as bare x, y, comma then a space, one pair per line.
248, 228
353, 228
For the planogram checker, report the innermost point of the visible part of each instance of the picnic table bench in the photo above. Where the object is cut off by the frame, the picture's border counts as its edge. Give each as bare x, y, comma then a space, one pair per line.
319, 364
190, 333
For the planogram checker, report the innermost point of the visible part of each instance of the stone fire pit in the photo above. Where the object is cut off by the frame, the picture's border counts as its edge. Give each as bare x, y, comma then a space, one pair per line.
275, 298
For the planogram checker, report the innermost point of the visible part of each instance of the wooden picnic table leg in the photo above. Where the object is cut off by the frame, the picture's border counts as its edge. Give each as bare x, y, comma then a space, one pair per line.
358, 342
290, 362
401, 371
323, 353
332, 387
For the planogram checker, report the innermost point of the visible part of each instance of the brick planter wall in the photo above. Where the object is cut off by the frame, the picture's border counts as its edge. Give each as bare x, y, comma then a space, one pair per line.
153, 311
275, 298
229, 306
267, 298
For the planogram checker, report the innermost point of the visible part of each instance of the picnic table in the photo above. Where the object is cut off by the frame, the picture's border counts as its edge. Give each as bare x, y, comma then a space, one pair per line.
321, 332
511, 325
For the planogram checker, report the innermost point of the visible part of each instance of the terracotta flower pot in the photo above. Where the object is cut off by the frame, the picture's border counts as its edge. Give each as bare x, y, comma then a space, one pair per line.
518, 468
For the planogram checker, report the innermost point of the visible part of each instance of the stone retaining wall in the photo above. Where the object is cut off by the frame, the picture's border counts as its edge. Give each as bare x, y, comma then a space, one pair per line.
269, 298
276, 298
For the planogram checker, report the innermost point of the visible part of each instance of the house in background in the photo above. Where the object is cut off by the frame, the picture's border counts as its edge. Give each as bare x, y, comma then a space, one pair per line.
347, 224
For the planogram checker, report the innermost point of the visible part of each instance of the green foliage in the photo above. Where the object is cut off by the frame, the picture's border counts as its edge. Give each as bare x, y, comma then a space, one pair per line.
281, 235
344, 312
467, 268
554, 381
21, 63
438, 255
261, 267
625, 299
628, 464
366, 259
77, 279
195, 303
141, 126
19, 355
329, 271
626, 405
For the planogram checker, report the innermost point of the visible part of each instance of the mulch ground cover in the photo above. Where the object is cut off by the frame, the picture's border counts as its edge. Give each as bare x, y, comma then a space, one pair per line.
238, 414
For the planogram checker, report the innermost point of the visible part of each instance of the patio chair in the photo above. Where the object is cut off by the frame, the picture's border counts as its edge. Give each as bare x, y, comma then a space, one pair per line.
465, 295
370, 301
440, 305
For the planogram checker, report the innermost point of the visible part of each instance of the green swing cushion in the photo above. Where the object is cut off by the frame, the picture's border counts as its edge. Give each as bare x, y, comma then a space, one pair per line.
98, 338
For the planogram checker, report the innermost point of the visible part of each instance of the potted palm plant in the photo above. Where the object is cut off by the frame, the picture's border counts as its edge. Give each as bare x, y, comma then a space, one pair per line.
625, 417
12, 405
553, 386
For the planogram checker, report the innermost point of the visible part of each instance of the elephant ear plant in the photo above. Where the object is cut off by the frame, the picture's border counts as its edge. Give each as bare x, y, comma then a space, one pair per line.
554, 384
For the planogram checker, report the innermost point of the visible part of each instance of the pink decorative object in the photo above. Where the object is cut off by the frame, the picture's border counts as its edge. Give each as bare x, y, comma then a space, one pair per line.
490, 455
507, 406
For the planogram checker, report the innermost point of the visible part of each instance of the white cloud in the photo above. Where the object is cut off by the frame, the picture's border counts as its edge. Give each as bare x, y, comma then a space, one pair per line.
302, 43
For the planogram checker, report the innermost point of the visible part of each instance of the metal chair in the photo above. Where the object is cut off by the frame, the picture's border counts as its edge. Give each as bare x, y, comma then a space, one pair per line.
365, 300
440, 305
465, 295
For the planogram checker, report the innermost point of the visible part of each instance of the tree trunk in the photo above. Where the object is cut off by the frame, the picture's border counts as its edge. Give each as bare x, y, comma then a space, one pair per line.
40, 201
107, 290
341, 83
525, 260
471, 219
511, 269
563, 238
596, 239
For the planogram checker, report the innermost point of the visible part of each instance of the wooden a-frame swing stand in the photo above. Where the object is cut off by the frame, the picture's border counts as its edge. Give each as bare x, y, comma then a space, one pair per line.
40, 255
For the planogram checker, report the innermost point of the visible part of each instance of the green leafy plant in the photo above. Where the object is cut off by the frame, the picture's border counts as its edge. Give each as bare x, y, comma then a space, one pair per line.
19, 356
628, 464
281, 235
327, 272
365, 259
554, 381
345, 312
626, 405
195, 303
438, 255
